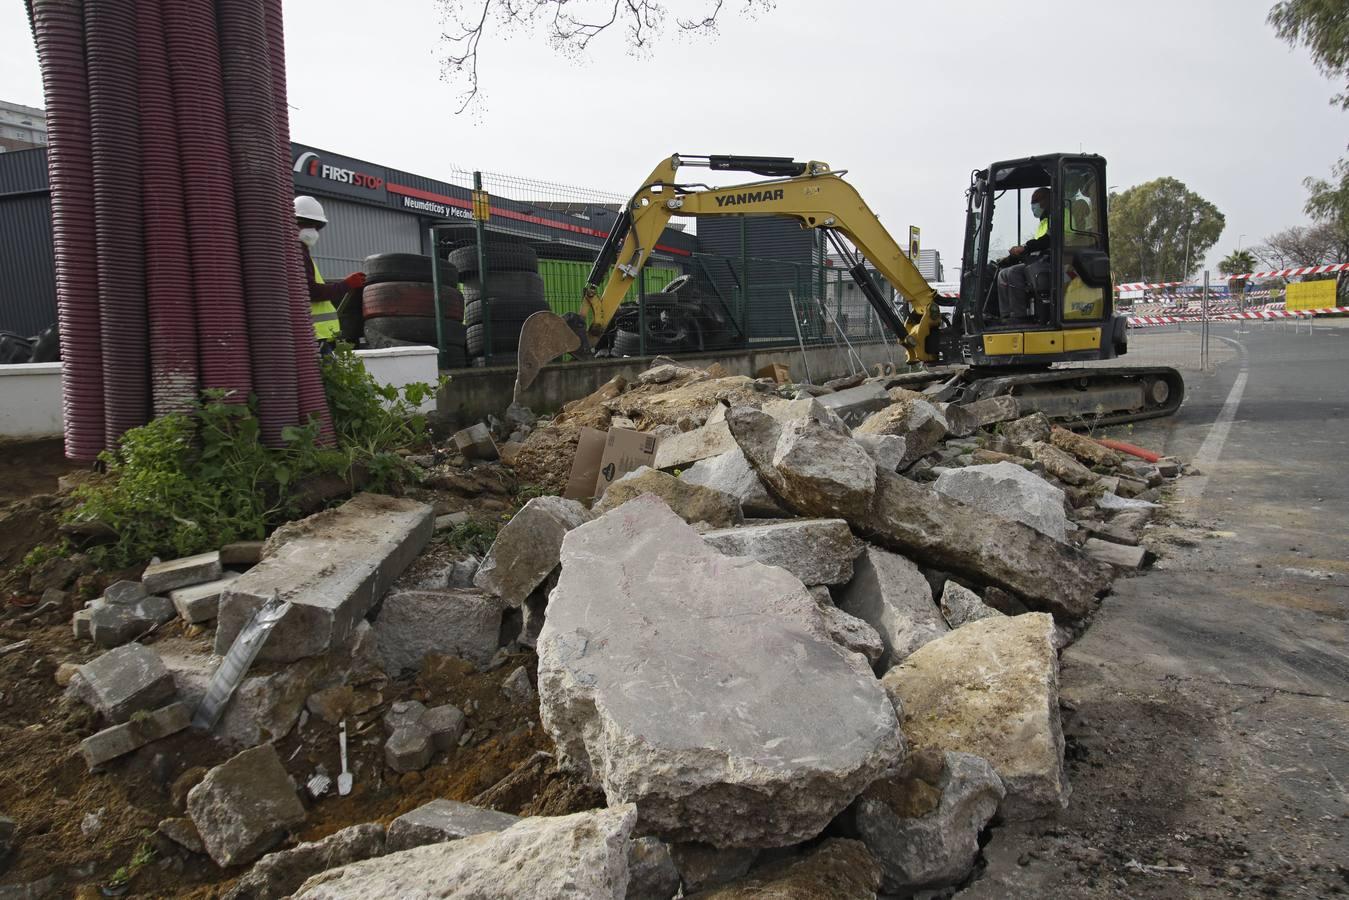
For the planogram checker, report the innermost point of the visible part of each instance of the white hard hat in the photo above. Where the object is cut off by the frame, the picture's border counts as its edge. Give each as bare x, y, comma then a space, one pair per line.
308, 208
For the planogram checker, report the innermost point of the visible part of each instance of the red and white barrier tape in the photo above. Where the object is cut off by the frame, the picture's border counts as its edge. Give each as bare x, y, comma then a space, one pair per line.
1150, 321
1276, 273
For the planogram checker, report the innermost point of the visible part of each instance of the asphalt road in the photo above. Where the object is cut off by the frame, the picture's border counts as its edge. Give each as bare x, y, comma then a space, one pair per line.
1207, 708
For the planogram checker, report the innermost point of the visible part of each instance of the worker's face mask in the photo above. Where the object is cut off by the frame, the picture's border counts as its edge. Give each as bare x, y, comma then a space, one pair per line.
309, 236
1035, 210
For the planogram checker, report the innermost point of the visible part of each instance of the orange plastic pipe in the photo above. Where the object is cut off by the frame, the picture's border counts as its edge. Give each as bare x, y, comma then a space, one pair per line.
1130, 449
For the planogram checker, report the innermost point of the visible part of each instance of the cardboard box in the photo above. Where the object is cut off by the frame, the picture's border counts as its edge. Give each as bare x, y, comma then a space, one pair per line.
585, 465
624, 450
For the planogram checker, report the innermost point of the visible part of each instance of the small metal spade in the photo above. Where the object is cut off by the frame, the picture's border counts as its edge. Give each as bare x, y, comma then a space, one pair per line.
343, 777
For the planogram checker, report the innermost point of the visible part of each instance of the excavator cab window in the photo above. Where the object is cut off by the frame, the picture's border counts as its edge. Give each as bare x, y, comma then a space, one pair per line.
1084, 243
1020, 287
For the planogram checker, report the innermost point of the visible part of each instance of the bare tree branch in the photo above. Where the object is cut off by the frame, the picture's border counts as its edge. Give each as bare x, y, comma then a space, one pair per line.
569, 25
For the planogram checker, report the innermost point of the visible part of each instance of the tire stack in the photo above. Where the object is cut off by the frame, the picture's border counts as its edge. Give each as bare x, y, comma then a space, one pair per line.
517, 292
397, 306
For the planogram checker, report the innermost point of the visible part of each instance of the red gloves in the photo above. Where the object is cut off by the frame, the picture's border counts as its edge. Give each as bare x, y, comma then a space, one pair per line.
355, 281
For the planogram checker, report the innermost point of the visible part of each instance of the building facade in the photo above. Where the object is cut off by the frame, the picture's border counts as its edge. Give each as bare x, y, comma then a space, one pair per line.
21, 127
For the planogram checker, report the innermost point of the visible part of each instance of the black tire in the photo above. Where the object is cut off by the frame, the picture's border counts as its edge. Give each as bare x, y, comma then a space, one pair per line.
411, 330
502, 257
515, 285
627, 343
512, 309
384, 267
406, 298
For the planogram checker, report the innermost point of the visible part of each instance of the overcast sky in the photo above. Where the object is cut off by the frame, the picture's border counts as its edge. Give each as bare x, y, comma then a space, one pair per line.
908, 97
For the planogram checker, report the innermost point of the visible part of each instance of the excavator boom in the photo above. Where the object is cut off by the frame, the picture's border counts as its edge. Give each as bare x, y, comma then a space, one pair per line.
809, 192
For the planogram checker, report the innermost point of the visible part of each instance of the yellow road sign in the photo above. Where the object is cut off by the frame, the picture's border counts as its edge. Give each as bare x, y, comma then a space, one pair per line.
1311, 295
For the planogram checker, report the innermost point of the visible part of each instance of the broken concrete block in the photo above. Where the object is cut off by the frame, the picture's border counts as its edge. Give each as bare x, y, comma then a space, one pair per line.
946, 534
526, 549
450, 520
892, 596
961, 692
692, 502
403, 714
923, 825
517, 686
475, 442
81, 624
408, 749
139, 730
837, 868
853, 405
445, 723
125, 593
444, 820
542, 857
920, 423
732, 474
888, 450
992, 410
686, 447
242, 553
112, 625
245, 806
701, 866
783, 411
1061, 465
1007, 490
124, 681
852, 633
1027, 429
411, 624
176, 573
1084, 448
332, 567
1119, 555
183, 833
651, 870
200, 602
817, 551
960, 605
812, 468
731, 684
1168, 467
281, 873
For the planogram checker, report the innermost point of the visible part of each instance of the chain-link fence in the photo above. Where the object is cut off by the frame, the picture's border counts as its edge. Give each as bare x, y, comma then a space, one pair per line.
686, 298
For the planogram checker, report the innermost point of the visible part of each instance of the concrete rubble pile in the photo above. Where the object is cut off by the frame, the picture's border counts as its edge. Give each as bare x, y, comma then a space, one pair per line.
812, 645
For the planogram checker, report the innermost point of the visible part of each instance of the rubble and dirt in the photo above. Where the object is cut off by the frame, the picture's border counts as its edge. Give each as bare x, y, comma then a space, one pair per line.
704, 675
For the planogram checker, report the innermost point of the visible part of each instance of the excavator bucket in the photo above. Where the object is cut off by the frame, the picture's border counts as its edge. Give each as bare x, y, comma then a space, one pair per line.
544, 337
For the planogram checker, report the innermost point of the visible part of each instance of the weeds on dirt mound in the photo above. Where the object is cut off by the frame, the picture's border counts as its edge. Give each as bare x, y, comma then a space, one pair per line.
190, 482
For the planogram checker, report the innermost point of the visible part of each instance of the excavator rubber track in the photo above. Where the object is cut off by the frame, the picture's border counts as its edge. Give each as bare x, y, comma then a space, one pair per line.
1078, 397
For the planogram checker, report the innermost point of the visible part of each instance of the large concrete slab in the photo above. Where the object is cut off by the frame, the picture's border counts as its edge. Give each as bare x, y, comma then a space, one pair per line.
332, 567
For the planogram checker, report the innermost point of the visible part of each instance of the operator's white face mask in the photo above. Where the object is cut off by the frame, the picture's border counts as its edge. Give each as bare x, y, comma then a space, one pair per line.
309, 236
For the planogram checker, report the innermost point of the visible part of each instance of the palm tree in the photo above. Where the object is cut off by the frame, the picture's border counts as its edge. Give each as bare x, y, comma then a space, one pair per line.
1238, 262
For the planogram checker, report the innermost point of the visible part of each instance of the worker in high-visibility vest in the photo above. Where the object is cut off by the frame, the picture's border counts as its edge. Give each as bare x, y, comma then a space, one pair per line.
310, 220
1039, 207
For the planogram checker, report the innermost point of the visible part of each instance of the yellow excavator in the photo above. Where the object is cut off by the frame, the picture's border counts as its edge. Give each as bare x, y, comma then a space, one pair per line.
1035, 285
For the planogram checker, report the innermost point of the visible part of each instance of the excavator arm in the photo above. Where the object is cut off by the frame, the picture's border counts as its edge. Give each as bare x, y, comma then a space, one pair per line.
809, 192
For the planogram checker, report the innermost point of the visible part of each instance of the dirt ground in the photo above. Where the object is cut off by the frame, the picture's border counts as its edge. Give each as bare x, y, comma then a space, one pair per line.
79, 828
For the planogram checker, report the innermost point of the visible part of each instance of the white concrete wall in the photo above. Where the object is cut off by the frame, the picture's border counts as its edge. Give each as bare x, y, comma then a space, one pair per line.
30, 400
403, 365
30, 393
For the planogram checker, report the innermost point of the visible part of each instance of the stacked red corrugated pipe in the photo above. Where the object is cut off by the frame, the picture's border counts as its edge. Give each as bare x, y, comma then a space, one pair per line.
208, 196
312, 399
110, 39
58, 28
170, 297
152, 199
265, 225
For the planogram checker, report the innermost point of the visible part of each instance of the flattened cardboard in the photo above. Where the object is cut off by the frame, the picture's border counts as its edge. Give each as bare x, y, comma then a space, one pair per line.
624, 450
585, 465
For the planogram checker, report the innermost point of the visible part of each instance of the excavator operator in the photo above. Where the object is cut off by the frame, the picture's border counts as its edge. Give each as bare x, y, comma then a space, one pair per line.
1018, 272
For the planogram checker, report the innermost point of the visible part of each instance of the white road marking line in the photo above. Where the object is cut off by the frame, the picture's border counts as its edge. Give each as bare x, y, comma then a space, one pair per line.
1212, 448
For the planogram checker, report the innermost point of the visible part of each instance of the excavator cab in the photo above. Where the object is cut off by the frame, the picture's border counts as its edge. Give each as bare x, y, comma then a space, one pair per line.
1035, 277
